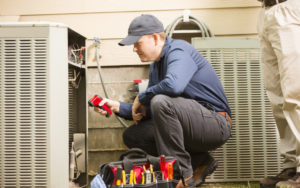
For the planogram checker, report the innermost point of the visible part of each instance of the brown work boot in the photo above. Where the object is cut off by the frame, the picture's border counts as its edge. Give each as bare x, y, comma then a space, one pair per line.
291, 183
284, 175
199, 174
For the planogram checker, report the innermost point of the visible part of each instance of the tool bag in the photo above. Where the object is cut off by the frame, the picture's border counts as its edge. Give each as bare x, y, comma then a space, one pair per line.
135, 165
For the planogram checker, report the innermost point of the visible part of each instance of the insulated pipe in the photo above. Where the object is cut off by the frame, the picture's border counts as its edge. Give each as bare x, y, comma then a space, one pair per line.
204, 29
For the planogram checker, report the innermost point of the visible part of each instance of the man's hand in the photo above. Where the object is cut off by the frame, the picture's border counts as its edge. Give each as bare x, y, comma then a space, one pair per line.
113, 105
138, 110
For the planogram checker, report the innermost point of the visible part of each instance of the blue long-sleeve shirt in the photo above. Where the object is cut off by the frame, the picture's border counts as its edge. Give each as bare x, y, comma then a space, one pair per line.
182, 71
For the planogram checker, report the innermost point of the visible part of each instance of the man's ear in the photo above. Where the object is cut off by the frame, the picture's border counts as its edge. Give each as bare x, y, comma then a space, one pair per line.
156, 38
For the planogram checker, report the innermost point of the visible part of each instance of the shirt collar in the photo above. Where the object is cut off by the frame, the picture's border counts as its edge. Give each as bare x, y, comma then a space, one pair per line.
164, 50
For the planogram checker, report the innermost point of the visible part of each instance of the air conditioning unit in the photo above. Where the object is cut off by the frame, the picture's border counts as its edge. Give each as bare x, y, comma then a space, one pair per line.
252, 151
43, 111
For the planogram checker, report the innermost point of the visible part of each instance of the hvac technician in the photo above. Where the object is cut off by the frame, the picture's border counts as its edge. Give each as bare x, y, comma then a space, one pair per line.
279, 31
184, 111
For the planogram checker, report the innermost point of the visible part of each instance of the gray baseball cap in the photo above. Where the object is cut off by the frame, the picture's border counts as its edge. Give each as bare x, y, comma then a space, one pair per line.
143, 25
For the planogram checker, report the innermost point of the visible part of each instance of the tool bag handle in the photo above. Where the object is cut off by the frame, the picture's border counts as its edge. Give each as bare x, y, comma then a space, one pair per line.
133, 153
137, 153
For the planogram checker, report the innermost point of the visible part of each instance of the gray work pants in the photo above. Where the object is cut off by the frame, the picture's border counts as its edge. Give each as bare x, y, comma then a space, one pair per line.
179, 127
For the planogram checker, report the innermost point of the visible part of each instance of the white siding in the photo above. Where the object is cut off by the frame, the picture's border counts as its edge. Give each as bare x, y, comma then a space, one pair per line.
109, 19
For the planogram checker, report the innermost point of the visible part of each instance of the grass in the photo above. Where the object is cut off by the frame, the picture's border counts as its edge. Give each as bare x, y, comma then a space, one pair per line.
231, 185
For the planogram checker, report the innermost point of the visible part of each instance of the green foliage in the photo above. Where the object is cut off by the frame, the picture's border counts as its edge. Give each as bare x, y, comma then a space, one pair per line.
232, 185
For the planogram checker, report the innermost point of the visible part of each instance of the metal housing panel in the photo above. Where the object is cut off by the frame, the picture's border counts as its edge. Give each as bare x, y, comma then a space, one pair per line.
34, 122
252, 151
23, 112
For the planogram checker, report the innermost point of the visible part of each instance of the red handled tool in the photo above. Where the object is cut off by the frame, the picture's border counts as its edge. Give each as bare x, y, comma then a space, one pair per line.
163, 166
95, 101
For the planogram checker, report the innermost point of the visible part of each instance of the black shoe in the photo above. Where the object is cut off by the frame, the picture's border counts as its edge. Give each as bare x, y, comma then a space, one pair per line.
284, 175
200, 173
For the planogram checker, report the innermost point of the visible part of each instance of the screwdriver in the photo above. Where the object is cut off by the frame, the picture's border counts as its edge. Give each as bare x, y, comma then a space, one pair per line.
143, 178
162, 165
119, 176
170, 171
131, 177
151, 171
123, 177
134, 178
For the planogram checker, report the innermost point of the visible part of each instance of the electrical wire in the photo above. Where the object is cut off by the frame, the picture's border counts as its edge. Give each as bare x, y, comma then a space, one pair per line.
97, 45
205, 31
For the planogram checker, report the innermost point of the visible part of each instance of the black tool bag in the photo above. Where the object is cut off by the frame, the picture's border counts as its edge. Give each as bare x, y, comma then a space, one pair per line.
137, 163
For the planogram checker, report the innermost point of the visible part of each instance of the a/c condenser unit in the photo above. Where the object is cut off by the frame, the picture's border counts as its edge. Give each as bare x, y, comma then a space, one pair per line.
43, 111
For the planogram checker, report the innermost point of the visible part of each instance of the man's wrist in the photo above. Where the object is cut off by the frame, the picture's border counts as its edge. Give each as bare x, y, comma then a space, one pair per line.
116, 108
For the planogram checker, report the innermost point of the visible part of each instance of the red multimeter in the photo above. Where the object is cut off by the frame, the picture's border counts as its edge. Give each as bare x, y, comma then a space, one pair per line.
95, 101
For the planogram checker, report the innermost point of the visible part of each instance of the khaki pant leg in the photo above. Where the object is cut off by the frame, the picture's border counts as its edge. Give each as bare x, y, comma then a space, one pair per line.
287, 46
281, 65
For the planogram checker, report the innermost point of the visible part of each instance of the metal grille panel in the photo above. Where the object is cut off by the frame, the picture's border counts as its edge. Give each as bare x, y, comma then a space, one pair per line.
23, 112
1, 113
252, 151
73, 110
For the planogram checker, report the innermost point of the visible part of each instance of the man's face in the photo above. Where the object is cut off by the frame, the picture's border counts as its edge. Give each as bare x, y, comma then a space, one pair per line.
145, 48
